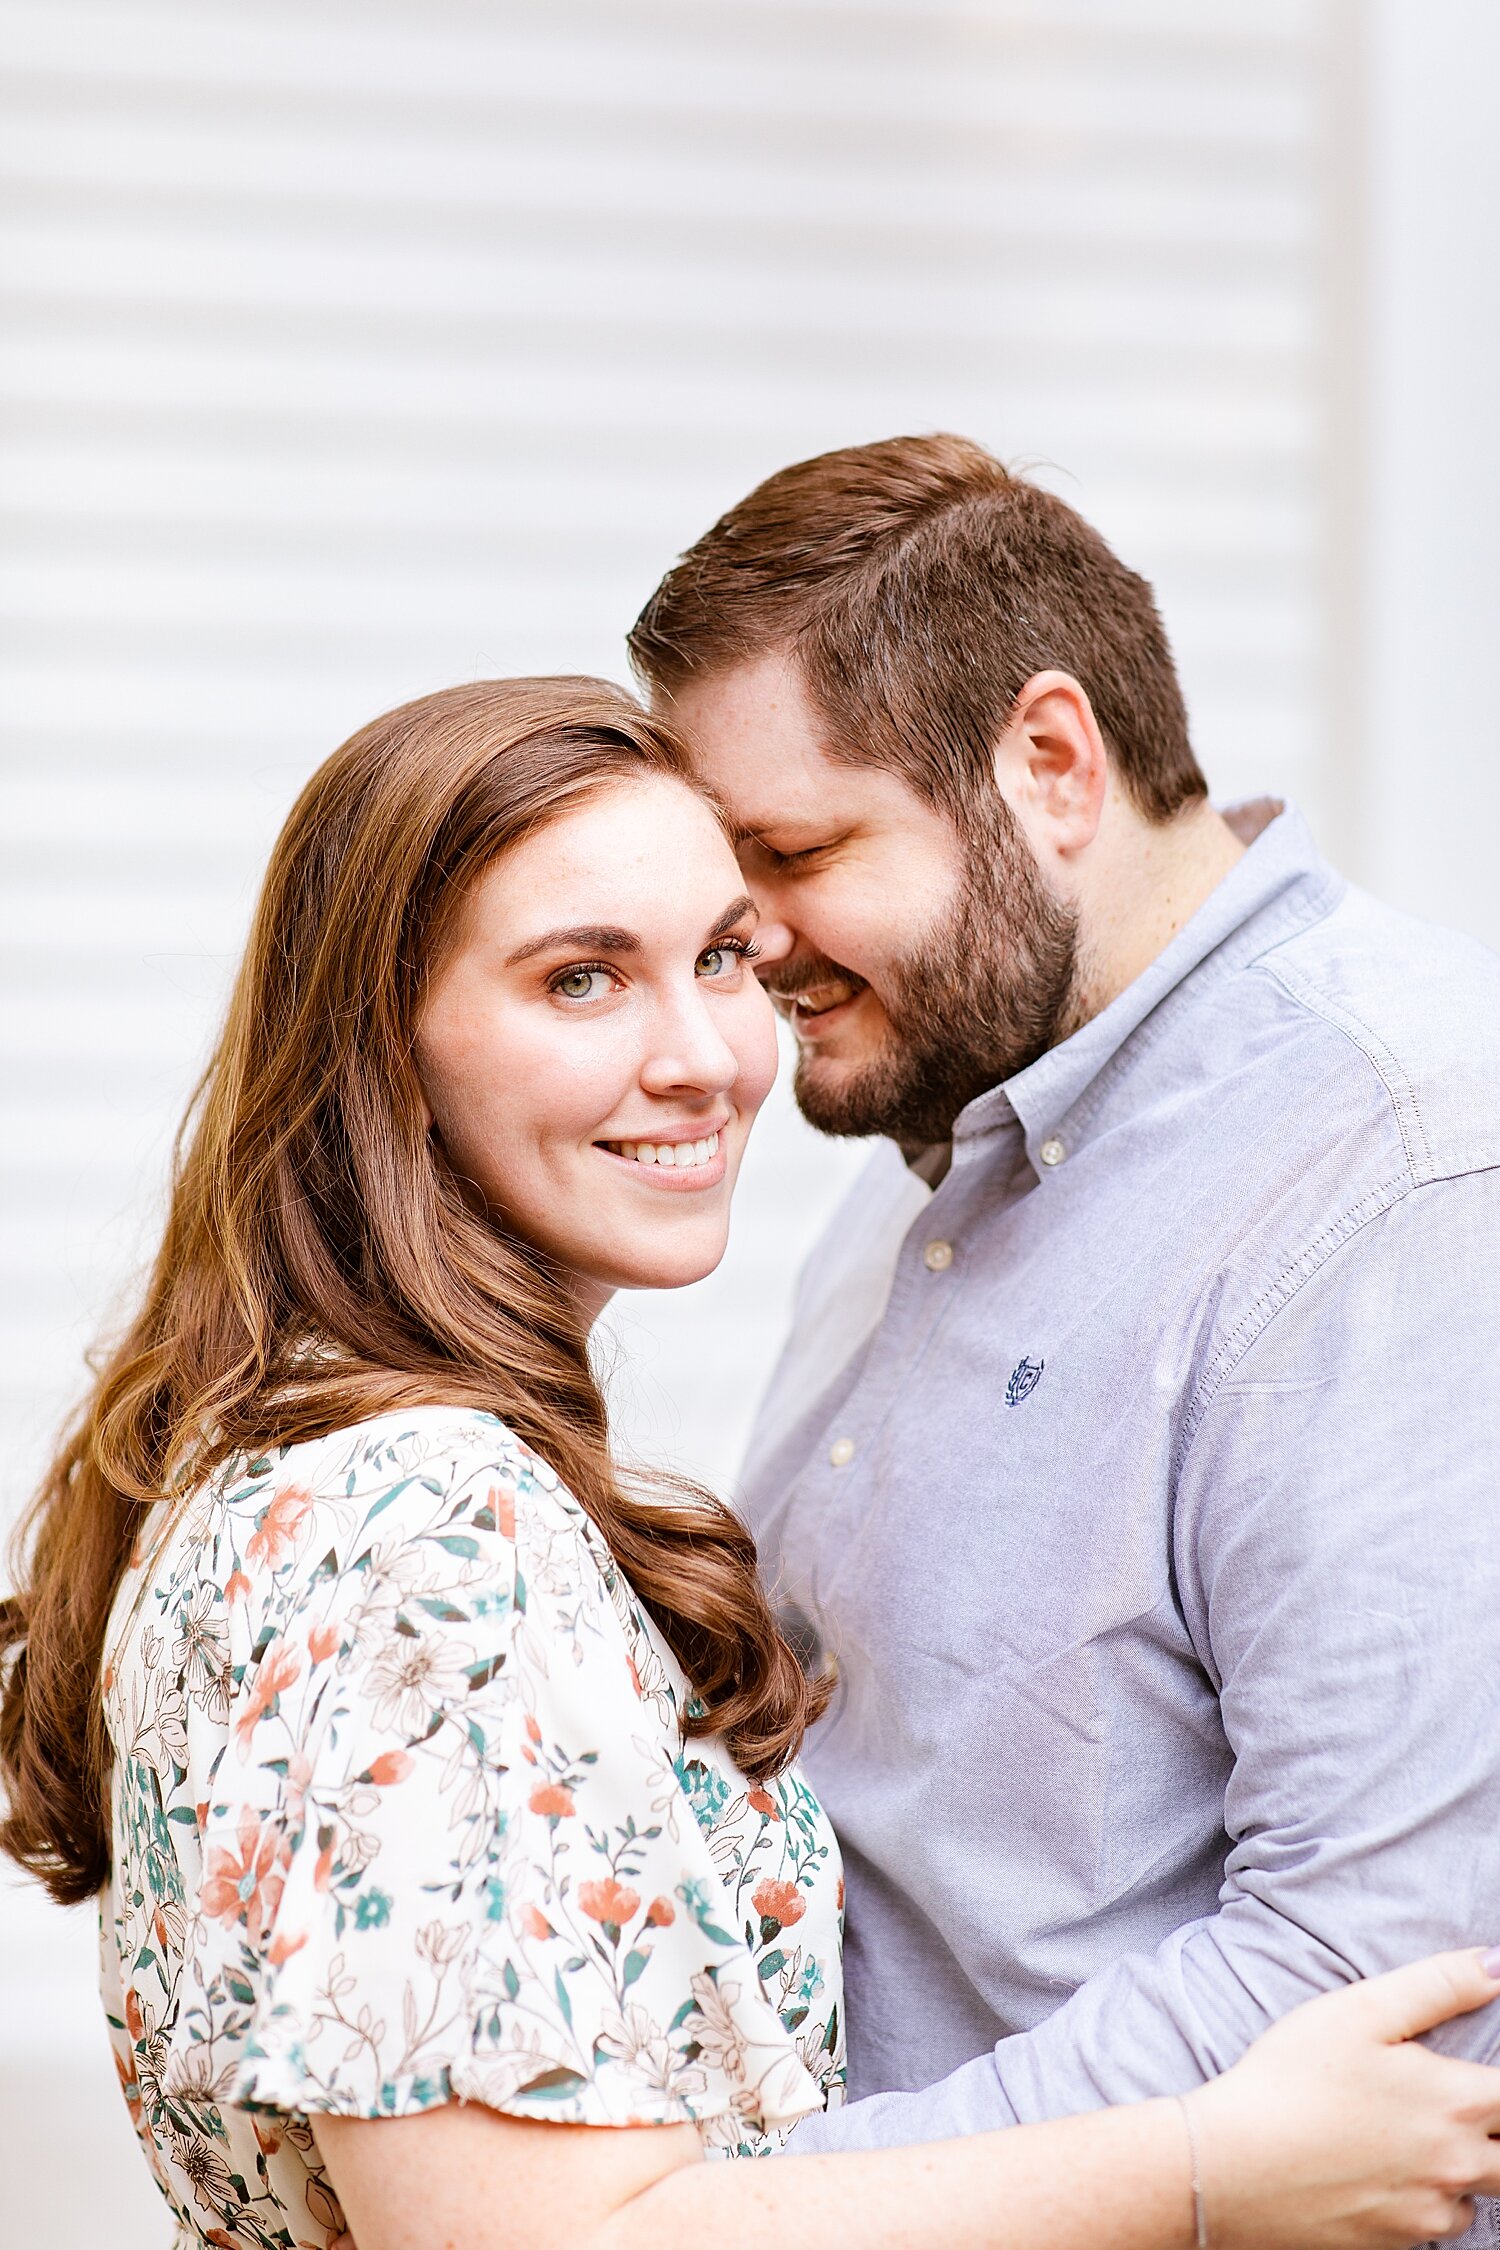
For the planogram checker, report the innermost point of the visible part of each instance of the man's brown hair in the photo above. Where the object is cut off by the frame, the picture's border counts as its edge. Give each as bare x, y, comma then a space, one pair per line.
919, 585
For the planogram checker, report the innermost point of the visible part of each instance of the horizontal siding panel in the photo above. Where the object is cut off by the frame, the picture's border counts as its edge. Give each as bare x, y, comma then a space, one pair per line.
802, 63
355, 348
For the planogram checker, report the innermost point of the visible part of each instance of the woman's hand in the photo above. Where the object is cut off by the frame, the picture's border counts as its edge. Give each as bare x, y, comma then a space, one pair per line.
1337, 2132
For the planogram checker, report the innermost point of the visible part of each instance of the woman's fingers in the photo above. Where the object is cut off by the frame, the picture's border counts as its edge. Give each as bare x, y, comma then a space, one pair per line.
1472, 2092
1409, 2001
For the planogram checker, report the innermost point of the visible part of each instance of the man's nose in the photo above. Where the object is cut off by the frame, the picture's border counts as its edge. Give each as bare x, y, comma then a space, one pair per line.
774, 940
774, 935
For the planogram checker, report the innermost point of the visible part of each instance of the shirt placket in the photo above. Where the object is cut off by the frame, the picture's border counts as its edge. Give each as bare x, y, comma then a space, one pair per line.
842, 1483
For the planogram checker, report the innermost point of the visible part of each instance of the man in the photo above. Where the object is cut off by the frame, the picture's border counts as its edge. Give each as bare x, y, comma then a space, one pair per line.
1136, 1453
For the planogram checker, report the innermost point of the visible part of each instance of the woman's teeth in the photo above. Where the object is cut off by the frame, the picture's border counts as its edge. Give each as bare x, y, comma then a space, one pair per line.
683, 1154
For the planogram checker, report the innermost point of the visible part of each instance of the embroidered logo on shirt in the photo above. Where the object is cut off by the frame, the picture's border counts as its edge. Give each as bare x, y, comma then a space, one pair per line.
1024, 1381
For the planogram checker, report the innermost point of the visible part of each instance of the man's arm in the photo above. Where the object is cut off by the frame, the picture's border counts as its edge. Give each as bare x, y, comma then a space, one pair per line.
1337, 1552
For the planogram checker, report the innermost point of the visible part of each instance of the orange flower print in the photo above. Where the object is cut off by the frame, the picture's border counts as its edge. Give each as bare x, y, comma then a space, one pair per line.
536, 1925
279, 1667
282, 1949
661, 1914
763, 1802
841, 1895
280, 1527
236, 1586
322, 1642
503, 1507
781, 1903
608, 1901
533, 1729
551, 1798
244, 1885
389, 1768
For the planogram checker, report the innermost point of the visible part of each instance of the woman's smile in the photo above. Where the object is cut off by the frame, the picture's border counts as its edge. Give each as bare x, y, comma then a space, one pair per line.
679, 1163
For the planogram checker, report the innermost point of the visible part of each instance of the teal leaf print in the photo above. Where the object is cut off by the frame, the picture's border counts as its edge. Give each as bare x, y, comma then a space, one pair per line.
553, 2085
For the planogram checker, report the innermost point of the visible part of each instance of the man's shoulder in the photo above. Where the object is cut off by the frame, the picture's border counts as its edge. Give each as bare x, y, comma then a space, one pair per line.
1421, 1003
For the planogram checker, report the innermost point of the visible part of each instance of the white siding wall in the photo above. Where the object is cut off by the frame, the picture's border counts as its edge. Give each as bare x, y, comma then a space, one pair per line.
356, 346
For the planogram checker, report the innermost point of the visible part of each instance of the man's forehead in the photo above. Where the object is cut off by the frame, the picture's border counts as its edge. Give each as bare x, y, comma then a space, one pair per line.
751, 734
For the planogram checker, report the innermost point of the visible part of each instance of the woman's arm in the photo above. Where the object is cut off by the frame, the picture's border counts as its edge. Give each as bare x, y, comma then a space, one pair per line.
1334, 2133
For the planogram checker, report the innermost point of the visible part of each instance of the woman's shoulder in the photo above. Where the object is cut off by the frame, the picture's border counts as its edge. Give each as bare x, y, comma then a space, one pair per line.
444, 1501
409, 1448
414, 1472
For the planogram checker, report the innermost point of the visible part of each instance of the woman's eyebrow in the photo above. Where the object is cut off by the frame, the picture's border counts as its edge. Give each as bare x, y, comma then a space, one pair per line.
734, 912
584, 937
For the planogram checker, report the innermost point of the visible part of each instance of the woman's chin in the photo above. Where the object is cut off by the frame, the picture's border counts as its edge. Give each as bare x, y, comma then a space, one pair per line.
660, 1266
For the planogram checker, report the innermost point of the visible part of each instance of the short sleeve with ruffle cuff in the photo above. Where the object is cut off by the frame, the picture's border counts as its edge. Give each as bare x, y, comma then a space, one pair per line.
445, 1850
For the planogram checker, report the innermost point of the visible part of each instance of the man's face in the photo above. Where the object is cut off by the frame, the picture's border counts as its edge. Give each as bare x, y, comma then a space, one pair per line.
917, 965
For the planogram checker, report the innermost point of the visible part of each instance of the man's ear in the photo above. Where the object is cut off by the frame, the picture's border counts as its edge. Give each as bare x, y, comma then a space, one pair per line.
1051, 766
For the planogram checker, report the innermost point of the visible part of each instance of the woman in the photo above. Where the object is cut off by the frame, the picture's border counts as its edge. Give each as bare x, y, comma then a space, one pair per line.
438, 1783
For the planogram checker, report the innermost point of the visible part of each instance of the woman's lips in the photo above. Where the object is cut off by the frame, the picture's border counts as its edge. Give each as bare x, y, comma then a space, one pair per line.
682, 1167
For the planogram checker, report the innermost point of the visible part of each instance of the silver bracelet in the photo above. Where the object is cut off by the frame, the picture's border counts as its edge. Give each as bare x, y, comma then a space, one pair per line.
1200, 2214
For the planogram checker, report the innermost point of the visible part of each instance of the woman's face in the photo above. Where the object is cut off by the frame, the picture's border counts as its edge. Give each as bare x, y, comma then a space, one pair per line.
594, 1049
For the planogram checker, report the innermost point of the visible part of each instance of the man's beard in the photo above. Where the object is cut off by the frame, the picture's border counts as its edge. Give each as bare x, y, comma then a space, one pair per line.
981, 996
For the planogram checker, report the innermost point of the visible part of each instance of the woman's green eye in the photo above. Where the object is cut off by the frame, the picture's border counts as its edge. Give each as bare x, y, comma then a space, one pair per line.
577, 984
715, 961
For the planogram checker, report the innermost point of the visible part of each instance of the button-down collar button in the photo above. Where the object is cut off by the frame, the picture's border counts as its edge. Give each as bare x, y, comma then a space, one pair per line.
841, 1452
938, 1257
1052, 1151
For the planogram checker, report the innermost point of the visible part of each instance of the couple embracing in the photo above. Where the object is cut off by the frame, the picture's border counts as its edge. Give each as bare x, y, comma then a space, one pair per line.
471, 1819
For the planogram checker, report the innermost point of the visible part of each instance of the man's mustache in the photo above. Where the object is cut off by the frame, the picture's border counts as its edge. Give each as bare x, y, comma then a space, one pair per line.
787, 980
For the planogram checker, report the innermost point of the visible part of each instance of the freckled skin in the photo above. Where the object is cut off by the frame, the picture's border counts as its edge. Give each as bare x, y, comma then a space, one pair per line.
529, 1065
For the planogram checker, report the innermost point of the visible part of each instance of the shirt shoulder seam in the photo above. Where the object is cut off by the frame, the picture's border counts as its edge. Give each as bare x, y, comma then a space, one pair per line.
1273, 1299
1399, 1090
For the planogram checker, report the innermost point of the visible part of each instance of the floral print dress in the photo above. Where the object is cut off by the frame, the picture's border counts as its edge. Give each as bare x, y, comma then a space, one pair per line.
403, 1813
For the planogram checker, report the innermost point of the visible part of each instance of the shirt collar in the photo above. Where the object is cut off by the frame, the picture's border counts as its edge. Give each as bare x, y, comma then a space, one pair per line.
1281, 884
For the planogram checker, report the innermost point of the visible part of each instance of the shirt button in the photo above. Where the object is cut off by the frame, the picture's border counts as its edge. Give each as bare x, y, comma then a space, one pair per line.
938, 1257
841, 1452
1052, 1152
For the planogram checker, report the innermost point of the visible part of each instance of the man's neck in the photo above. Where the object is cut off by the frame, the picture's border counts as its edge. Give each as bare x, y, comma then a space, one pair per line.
1145, 881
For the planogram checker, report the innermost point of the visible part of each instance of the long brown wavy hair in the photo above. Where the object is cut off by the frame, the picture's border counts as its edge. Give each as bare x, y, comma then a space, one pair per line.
320, 1264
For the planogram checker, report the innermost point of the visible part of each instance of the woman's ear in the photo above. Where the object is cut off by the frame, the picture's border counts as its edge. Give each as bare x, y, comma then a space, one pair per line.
1051, 766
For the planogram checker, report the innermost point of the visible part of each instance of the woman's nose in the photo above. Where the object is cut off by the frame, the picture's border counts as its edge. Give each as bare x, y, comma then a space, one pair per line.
689, 1051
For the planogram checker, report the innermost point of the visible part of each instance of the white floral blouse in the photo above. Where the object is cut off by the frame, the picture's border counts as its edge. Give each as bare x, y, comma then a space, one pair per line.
403, 1813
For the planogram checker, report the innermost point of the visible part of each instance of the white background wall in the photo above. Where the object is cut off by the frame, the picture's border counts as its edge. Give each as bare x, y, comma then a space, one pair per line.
355, 346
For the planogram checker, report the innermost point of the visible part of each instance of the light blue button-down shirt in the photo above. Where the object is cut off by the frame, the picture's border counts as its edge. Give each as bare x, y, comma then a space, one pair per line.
1155, 1520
